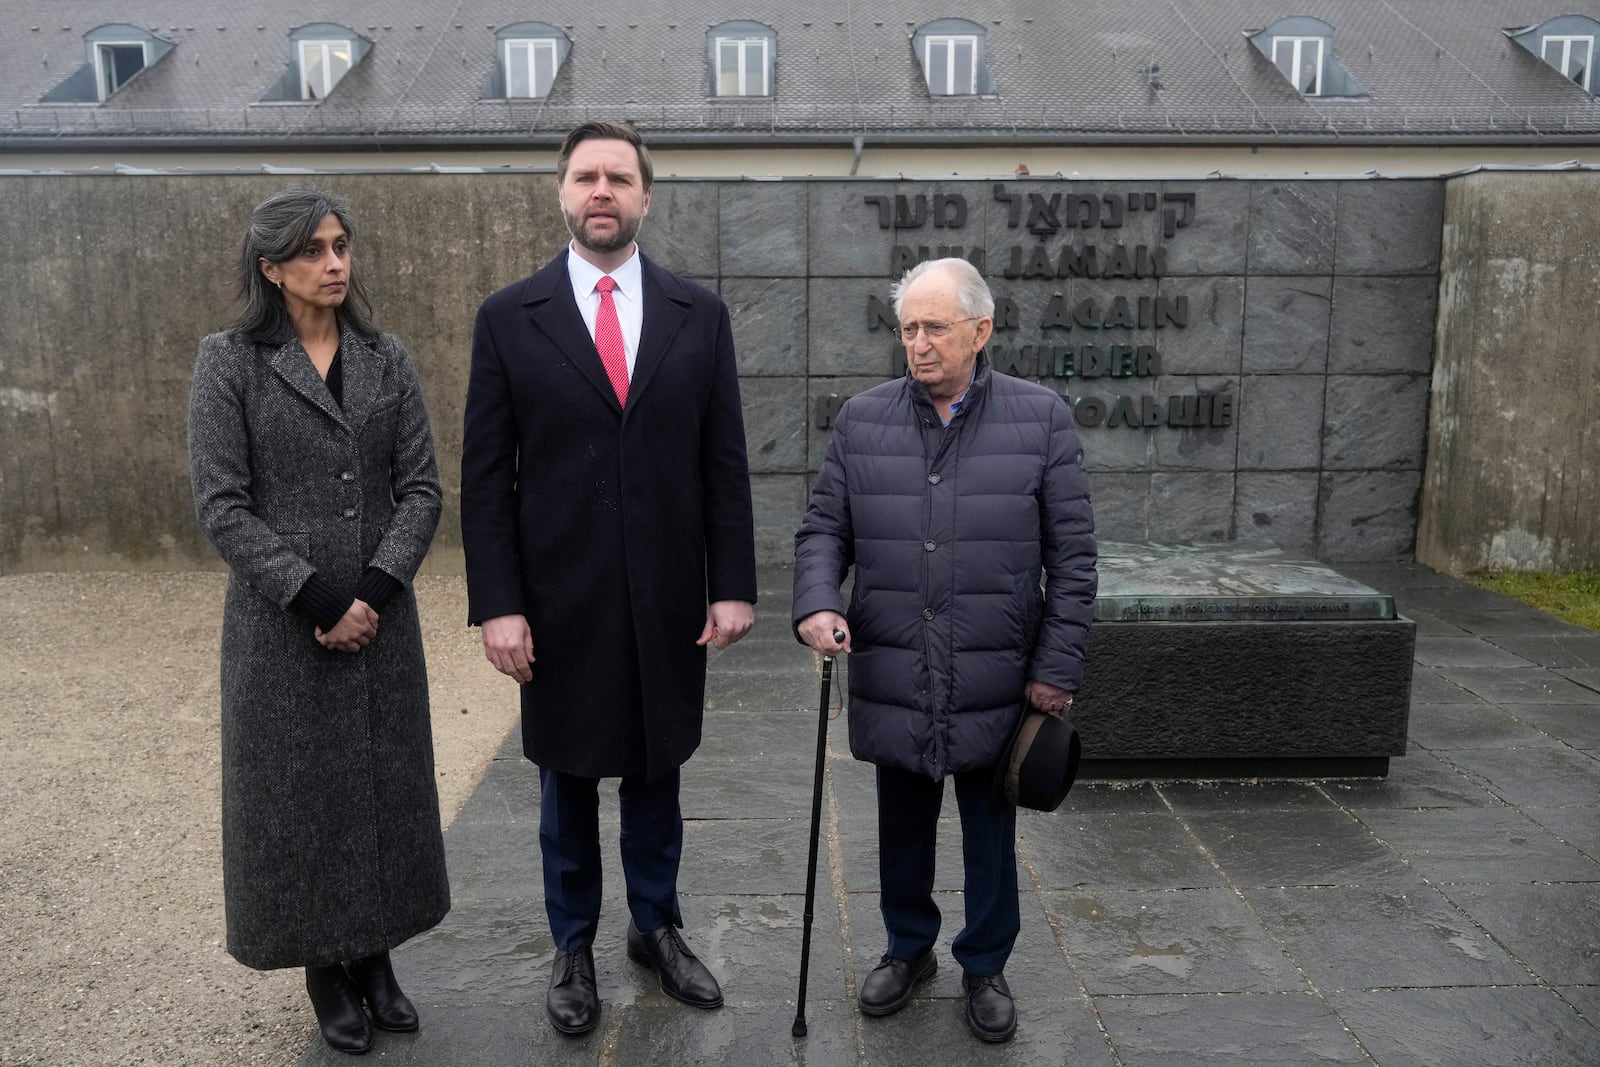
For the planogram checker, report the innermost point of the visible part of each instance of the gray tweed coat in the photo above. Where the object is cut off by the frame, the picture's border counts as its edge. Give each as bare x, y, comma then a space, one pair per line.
331, 840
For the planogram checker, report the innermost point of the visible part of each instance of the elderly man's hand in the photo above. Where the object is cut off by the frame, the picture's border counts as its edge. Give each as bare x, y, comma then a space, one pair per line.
818, 628
1047, 698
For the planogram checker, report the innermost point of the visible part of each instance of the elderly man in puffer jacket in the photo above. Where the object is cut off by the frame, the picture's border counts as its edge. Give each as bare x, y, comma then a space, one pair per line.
952, 491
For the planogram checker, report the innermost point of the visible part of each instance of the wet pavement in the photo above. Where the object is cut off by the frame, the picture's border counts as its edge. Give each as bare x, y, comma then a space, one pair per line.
1448, 914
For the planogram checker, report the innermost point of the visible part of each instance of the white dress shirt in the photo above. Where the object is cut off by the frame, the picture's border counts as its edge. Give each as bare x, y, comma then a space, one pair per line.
629, 297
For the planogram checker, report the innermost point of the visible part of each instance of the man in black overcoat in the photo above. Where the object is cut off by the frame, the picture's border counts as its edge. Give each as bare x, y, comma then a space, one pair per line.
606, 518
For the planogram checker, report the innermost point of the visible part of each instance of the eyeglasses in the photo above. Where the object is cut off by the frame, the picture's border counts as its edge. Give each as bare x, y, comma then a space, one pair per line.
907, 331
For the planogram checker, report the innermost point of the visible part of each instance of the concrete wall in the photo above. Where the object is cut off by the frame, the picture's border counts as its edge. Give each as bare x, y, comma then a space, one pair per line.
1513, 470
1307, 309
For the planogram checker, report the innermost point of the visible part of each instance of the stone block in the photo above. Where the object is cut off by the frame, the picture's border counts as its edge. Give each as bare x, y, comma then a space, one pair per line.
1215, 241
1213, 340
769, 324
1382, 325
1191, 506
1389, 226
1280, 421
1276, 508
1117, 448
1375, 422
1286, 324
818, 389
840, 337
680, 233
779, 501
1121, 505
842, 231
1368, 514
775, 417
1197, 447
763, 230
1292, 227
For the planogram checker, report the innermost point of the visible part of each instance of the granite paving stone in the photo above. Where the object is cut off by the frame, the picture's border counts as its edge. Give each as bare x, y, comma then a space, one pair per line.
1420, 779
1430, 687
1429, 624
1226, 1030
1588, 677
1516, 621
1585, 998
1114, 852
1525, 685
1577, 826
1553, 650
1493, 845
1577, 725
1296, 848
1360, 937
1553, 929
1483, 1027
1434, 651
1442, 727
1104, 798
1176, 941
1550, 777
1049, 1030
1259, 796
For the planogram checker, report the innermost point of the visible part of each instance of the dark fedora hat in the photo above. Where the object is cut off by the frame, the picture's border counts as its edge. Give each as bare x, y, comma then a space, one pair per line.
1039, 763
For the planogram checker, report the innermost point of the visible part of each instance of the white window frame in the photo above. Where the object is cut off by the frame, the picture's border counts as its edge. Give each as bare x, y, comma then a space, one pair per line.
947, 42
750, 82
532, 47
327, 46
1296, 46
1567, 43
101, 85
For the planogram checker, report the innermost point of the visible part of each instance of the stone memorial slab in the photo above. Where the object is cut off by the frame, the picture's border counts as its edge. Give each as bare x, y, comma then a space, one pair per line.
1228, 660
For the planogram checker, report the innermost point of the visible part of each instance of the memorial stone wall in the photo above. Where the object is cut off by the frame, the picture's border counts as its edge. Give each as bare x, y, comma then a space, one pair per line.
1249, 360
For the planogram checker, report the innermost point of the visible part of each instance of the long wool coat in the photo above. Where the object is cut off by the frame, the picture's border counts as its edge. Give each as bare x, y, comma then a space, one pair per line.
949, 530
331, 838
608, 529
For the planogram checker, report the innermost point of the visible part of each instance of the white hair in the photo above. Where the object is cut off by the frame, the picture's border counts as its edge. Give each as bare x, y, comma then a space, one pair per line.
972, 292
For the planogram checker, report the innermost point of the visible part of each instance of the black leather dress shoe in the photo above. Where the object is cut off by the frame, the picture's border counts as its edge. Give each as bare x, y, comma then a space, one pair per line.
886, 990
991, 1013
391, 1009
571, 1001
338, 1006
683, 976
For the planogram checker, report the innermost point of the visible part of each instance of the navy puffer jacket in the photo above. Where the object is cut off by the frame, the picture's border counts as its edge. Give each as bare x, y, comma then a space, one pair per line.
949, 530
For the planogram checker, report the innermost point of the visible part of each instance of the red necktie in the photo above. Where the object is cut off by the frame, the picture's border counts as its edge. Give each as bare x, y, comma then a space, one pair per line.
608, 339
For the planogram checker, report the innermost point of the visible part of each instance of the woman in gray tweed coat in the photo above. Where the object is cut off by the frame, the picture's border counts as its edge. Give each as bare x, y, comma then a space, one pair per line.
314, 475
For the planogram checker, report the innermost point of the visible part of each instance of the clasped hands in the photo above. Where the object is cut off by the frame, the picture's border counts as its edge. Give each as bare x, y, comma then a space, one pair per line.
353, 632
508, 643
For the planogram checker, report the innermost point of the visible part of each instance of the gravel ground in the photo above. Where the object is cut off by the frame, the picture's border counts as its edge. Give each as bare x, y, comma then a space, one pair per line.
111, 884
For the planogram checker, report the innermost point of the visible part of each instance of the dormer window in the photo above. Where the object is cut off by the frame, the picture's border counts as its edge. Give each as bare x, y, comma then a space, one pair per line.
1567, 44
953, 57
322, 64
113, 56
741, 56
320, 55
1300, 59
1572, 56
530, 55
1301, 47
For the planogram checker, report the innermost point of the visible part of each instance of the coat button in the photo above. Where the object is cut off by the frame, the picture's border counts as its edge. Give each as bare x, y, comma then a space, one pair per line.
347, 476
928, 613
929, 546
933, 479
349, 513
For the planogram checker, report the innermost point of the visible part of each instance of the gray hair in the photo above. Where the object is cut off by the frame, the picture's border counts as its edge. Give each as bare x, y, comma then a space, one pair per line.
972, 292
280, 227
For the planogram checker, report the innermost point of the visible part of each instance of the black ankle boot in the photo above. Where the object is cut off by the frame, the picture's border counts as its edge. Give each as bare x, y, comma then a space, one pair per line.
338, 1007
374, 979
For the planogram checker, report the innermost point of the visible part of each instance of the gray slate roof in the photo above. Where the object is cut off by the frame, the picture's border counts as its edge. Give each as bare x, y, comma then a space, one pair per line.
1064, 70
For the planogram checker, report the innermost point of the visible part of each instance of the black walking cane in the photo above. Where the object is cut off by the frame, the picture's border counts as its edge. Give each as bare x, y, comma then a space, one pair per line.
799, 1028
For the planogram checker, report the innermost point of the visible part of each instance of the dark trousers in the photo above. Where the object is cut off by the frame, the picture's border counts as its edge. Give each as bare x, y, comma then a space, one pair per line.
569, 840
908, 826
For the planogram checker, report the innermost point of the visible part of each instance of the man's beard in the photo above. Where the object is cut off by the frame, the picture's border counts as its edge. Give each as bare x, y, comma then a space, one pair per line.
627, 230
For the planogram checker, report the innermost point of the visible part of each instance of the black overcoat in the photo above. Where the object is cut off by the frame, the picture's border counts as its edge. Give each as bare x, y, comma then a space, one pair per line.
610, 530
331, 841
